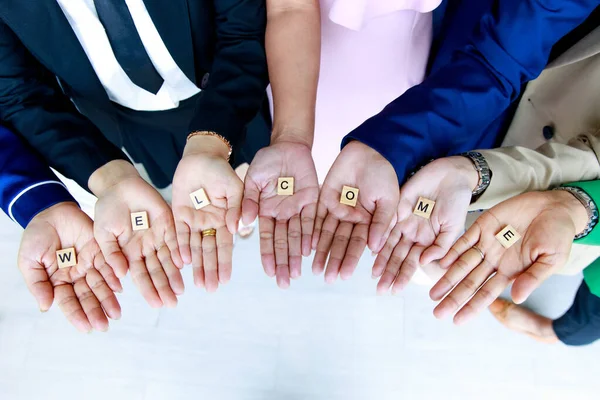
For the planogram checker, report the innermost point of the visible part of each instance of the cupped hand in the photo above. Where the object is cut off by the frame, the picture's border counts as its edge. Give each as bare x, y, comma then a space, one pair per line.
285, 222
415, 240
151, 255
341, 231
204, 166
547, 222
85, 292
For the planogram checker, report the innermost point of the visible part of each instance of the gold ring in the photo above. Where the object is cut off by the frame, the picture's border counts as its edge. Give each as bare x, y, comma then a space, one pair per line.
208, 232
480, 252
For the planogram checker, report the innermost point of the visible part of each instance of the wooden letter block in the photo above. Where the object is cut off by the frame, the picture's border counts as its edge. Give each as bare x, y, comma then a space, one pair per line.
285, 186
508, 236
424, 207
139, 221
199, 199
66, 258
349, 196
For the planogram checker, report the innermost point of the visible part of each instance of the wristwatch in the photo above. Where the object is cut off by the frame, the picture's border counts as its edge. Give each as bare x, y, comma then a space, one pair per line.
483, 170
590, 207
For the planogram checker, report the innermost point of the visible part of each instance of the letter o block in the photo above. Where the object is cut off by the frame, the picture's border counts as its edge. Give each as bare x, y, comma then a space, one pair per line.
508, 236
199, 199
66, 258
139, 221
285, 186
424, 207
349, 196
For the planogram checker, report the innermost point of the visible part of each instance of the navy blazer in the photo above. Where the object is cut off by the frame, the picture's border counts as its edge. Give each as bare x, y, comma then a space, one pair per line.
218, 44
27, 185
480, 74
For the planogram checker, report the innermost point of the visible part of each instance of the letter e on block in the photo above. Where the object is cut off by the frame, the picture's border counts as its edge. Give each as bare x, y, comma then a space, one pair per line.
199, 199
285, 186
424, 207
139, 221
508, 236
66, 258
349, 196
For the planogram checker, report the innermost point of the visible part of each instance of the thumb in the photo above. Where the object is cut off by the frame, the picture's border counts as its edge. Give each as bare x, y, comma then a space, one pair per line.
250, 206
112, 251
384, 214
534, 276
38, 283
234, 208
440, 247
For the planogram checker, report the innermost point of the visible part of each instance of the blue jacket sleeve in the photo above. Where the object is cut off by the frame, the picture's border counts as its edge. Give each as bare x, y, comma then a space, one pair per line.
27, 185
452, 108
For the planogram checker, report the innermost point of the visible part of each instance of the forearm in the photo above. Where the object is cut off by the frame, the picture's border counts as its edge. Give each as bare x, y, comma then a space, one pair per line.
293, 45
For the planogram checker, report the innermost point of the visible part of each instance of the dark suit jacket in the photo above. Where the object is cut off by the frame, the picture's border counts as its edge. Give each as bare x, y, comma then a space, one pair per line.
40, 57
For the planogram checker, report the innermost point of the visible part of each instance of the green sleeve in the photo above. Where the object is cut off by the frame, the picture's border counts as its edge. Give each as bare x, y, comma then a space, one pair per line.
592, 188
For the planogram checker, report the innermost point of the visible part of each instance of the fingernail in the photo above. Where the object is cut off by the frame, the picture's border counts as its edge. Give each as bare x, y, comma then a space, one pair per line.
43, 311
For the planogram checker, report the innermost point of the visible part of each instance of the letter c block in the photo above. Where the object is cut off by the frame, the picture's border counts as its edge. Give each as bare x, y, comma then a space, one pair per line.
285, 186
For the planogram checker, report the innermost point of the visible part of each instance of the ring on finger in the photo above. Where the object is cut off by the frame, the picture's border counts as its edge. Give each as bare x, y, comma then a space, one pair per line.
209, 232
480, 252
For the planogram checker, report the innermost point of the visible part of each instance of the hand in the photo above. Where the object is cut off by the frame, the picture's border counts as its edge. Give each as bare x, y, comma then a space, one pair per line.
343, 230
415, 240
152, 255
204, 166
547, 221
286, 222
85, 293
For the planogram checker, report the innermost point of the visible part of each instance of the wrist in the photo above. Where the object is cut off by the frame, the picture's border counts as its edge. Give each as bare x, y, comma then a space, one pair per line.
575, 208
207, 145
291, 135
56, 208
464, 168
109, 175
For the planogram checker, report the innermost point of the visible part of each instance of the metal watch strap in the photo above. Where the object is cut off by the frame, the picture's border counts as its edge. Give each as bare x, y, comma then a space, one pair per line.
482, 168
590, 207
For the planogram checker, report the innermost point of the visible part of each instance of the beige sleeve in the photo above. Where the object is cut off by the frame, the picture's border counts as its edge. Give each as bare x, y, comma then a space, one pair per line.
518, 170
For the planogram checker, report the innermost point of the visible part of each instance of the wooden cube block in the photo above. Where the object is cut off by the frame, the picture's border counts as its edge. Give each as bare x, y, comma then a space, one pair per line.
508, 236
424, 207
349, 196
66, 258
139, 221
285, 186
199, 199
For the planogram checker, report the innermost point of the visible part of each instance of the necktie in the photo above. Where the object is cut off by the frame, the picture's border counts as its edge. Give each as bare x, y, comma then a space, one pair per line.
127, 44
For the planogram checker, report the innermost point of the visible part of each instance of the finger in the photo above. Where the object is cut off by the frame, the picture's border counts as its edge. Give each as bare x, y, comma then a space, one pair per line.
171, 240
440, 247
38, 283
308, 223
142, 280
339, 245
70, 307
232, 219
527, 282
393, 265
295, 247
224, 255
197, 261
250, 203
464, 243
281, 255
104, 294
172, 272
384, 255
234, 205
407, 269
266, 227
112, 252
356, 248
384, 213
464, 290
485, 296
325, 239
91, 306
319, 221
209, 258
457, 272
160, 280
107, 274
183, 238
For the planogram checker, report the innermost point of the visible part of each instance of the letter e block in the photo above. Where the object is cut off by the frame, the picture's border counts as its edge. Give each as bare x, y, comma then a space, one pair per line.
139, 221
199, 199
424, 207
285, 186
66, 258
349, 196
508, 236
